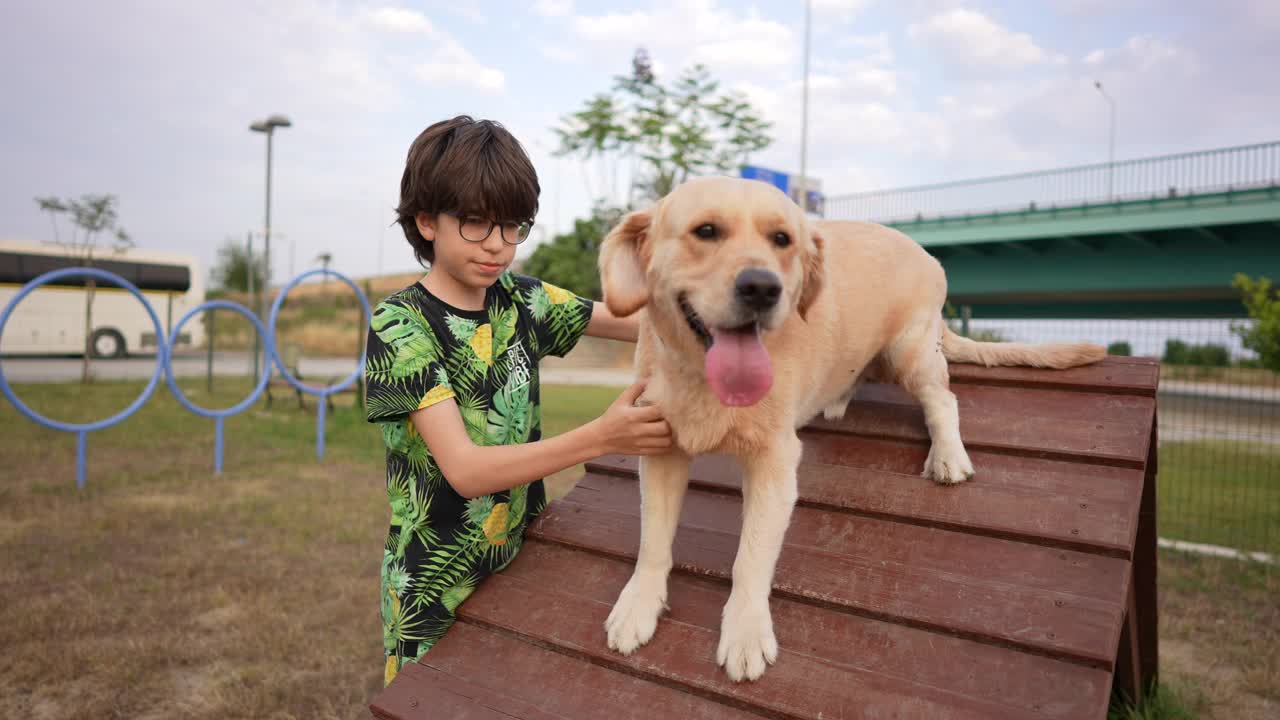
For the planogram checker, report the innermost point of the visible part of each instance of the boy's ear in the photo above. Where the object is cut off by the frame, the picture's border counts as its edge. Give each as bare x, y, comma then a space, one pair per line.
426, 223
622, 272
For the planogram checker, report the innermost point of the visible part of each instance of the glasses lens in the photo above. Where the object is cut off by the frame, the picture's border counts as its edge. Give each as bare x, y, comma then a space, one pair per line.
515, 233
475, 229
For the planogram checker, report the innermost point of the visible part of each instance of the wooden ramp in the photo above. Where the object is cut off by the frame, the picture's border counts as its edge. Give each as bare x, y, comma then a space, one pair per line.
1019, 594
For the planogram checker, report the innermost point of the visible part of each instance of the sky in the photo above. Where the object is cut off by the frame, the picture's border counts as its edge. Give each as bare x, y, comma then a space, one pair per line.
151, 100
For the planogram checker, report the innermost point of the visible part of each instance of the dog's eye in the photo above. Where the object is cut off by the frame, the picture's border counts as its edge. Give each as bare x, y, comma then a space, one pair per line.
706, 231
781, 239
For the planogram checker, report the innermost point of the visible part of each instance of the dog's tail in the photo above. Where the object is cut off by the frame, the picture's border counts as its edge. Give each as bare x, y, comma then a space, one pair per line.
1044, 355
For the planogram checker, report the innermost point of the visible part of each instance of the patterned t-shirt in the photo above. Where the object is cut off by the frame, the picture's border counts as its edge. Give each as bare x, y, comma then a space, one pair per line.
421, 351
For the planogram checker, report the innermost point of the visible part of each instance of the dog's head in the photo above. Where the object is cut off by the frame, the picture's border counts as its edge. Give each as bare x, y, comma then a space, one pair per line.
720, 262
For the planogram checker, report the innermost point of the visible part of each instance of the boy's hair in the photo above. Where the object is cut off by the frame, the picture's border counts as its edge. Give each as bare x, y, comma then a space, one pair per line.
465, 166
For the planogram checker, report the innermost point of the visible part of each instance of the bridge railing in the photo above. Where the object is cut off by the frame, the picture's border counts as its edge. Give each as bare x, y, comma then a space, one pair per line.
1220, 170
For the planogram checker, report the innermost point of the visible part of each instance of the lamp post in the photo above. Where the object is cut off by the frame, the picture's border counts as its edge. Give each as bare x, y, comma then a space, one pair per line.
804, 117
1111, 146
268, 127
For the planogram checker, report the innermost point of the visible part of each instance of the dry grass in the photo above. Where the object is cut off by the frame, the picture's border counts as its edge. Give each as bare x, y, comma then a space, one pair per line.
1220, 634
212, 600
163, 591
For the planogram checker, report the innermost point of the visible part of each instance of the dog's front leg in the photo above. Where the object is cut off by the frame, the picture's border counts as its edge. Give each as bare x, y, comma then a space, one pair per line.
747, 642
634, 618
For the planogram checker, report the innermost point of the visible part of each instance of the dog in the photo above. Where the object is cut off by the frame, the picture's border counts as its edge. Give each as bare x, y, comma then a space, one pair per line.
757, 319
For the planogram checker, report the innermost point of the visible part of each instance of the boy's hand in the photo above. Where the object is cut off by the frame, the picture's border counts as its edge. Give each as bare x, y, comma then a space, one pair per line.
630, 430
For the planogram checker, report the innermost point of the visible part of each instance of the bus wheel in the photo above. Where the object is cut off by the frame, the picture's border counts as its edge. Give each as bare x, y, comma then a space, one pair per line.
107, 343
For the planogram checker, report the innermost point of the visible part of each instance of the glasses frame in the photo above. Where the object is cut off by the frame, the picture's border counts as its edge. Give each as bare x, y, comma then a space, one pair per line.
463, 220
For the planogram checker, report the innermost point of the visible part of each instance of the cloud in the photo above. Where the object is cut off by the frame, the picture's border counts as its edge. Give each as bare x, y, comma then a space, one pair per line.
682, 33
971, 37
877, 45
453, 65
553, 8
397, 20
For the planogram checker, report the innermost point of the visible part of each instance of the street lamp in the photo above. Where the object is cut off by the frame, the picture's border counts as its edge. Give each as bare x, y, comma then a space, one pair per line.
267, 126
1111, 149
804, 117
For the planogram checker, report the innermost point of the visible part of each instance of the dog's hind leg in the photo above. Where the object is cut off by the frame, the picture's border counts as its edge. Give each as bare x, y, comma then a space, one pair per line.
920, 367
634, 618
747, 642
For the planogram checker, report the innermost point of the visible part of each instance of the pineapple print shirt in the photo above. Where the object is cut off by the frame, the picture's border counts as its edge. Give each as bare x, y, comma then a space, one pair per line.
421, 351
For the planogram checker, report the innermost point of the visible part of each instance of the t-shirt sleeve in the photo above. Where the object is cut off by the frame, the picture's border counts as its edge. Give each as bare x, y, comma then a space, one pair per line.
560, 317
404, 369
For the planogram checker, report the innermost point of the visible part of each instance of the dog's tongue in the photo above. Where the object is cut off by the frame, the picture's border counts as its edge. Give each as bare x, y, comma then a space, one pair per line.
738, 368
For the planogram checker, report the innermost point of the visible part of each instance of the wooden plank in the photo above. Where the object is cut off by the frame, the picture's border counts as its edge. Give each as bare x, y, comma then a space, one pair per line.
1046, 423
830, 664
1052, 601
422, 693
480, 670
1085, 507
1114, 375
1139, 645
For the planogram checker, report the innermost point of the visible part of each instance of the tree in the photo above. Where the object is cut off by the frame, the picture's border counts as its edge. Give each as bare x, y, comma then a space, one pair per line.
1263, 304
91, 216
569, 260
1120, 347
231, 270
674, 132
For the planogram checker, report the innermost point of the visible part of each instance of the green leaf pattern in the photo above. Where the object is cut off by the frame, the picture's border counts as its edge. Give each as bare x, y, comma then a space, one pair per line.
440, 546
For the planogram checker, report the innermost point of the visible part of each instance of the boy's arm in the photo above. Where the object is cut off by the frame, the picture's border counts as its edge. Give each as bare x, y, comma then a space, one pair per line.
476, 470
605, 324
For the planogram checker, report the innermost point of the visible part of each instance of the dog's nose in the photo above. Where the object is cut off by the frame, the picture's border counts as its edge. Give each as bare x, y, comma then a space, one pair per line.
758, 289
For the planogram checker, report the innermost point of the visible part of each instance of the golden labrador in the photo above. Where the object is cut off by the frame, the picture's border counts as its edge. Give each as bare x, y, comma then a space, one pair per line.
757, 320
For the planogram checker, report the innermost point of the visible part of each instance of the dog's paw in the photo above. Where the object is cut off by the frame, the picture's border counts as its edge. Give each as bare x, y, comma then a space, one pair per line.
634, 617
747, 644
837, 409
948, 466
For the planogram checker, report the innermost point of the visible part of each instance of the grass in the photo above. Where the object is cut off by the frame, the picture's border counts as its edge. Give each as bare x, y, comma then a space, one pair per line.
1219, 637
1165, 702
161, 590
1220, 492
1258, 377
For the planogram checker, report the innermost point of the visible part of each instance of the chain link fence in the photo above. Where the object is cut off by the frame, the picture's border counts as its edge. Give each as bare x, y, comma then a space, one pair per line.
1219, 415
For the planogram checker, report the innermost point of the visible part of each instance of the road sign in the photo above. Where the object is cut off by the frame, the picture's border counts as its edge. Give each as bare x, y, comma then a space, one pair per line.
778, 179
789, 185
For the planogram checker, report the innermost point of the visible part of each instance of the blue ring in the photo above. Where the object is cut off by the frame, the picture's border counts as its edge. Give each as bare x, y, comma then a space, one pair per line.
168, 361
275, 351
161, 349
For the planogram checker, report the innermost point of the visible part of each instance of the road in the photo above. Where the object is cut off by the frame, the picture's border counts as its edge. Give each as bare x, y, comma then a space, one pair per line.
314, 369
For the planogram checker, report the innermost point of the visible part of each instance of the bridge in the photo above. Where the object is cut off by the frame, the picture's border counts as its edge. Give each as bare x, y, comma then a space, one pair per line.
1144, 238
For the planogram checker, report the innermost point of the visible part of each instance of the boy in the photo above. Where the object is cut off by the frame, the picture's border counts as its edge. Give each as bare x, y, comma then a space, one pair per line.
452, 380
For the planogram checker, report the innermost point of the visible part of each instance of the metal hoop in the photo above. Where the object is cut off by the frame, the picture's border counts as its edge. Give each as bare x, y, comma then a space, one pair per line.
84, 428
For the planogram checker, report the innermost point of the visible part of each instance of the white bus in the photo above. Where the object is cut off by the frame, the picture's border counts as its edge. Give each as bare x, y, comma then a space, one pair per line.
50, 320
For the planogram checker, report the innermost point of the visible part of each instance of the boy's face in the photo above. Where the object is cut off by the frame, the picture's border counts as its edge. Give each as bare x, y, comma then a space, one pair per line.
475, 264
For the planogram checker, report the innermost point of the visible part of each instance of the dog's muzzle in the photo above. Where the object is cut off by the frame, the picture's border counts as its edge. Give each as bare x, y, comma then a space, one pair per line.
695, 322
757, 290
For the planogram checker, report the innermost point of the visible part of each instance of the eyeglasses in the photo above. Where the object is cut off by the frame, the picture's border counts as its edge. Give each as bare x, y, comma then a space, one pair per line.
477, 229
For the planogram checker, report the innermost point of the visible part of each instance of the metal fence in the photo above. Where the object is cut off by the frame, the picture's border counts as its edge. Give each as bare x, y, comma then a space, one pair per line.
1219, 415
164, 361
1243, 167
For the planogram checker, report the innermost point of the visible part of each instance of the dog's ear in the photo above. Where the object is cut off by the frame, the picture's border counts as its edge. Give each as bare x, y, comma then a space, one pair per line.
812, 259
622, 275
